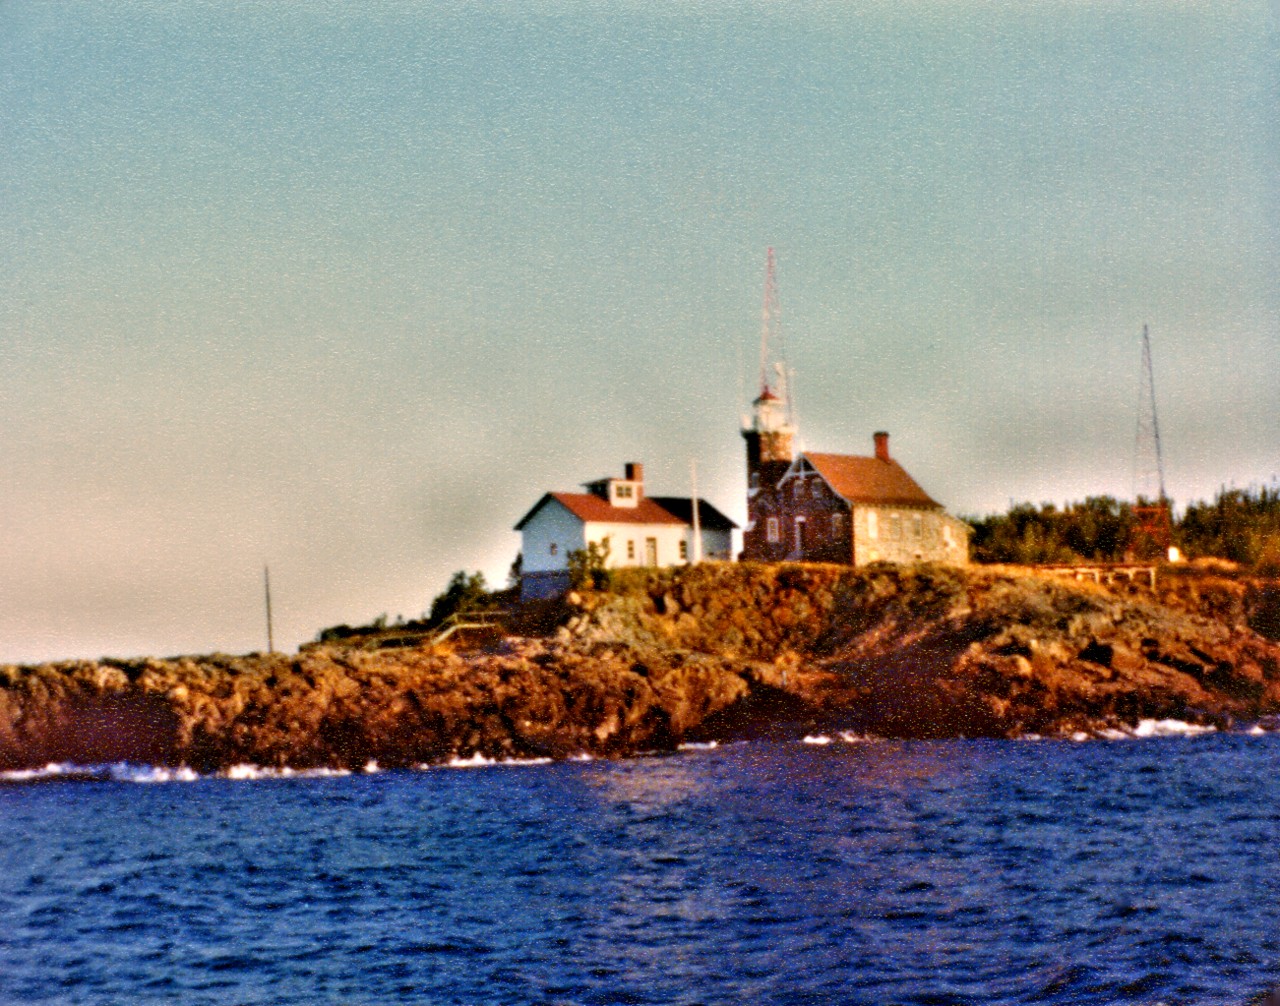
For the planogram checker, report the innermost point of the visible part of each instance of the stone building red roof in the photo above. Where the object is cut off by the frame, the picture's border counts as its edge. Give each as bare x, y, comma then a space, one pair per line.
870, 480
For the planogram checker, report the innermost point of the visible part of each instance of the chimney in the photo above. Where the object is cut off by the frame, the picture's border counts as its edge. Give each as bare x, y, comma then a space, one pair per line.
882, 445
635, 473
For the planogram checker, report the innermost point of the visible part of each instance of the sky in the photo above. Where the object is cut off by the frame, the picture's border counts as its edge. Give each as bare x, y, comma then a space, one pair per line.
343, 289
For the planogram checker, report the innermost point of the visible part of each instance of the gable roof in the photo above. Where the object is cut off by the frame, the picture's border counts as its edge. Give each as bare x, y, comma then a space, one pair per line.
588, 507
870, 480
709, 518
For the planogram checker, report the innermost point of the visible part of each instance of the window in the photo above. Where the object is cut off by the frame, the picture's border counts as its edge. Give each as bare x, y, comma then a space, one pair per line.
631, 549
917, 525
684, 550
554, 548
873, 525
771, 529
623, 492
837, 525
755, 480
895, 526
946, 535
800, 534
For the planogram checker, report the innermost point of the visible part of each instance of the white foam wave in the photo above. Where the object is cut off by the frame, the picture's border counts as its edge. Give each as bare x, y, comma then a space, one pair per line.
54, 770
245, 771
1145, 730
1257, 730
818, 739
477, 760
107, 772
153, 773
849, 737
698, 746
1170, 728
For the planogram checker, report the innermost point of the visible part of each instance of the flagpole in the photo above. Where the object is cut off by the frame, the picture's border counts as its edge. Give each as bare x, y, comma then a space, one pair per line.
697, 517
266, 583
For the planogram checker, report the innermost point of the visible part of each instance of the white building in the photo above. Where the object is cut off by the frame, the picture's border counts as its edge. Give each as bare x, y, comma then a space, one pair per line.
638, 530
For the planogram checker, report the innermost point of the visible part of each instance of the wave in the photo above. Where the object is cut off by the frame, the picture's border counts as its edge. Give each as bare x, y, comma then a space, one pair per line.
846, 736
478, 760
250, 772
113, 772
1146, 730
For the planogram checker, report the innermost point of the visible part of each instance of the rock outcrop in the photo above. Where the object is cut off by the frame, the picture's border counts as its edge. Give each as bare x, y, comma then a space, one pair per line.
716, 651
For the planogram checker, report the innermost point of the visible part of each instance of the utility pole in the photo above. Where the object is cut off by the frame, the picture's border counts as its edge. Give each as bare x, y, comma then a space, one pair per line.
266, 583
697, 517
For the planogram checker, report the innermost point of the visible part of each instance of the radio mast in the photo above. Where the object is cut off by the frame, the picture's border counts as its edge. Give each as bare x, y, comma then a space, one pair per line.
1148, 457
1154, 530
773, 355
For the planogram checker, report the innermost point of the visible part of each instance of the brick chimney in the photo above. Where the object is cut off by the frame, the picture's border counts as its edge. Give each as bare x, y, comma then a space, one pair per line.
882, 445
634, 471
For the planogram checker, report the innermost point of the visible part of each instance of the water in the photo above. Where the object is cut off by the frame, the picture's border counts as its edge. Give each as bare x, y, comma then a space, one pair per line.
1124, 871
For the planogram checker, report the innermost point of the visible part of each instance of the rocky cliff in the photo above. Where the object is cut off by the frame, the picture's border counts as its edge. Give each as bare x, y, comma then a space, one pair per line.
713, 652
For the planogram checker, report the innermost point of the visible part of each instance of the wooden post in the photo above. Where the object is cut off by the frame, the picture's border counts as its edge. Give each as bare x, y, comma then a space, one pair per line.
266, 582
697, 518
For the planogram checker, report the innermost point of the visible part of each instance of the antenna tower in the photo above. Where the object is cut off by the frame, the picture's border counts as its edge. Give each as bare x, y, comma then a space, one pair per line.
1151, 504
1148, 458
772, 349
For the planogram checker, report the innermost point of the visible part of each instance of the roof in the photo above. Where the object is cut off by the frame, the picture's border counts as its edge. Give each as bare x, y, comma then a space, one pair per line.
709, 518
588, 507
870, 480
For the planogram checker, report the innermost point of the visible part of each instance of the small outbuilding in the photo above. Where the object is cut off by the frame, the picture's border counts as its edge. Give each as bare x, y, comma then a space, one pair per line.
616, 515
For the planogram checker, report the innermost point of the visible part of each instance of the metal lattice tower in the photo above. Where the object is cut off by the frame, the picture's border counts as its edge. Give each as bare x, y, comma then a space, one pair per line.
1153, 533
773, 368
1148, 458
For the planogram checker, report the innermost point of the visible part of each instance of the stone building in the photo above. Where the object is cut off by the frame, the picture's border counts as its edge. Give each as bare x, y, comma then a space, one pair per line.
842, 508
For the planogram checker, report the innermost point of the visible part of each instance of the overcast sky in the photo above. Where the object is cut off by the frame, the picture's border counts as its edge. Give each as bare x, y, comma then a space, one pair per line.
345, 287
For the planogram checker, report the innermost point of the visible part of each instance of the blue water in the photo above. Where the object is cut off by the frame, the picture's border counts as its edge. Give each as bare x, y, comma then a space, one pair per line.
1138, 871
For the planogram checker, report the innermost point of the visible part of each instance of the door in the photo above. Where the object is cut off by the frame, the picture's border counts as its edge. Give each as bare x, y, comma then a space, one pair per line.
799, 546
651, 551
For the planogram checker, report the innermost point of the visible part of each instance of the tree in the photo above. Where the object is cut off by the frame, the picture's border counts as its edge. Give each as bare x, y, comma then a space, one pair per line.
588, 567
466, 592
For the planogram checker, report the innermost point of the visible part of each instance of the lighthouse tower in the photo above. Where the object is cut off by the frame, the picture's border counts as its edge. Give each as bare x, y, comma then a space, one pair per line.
770, 441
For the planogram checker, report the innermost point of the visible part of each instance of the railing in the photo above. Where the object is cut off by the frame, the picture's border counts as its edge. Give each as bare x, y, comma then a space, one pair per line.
459, 621
1104, 572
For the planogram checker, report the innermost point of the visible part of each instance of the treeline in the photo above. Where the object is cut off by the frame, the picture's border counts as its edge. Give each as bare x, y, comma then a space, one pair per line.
1240, 525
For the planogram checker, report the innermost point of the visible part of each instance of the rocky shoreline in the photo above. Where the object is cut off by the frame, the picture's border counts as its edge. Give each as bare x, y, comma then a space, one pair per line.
665, 657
